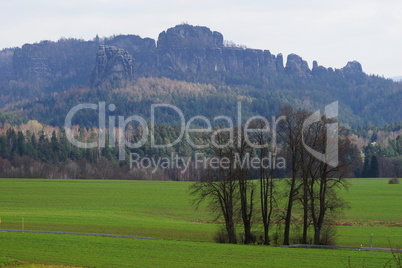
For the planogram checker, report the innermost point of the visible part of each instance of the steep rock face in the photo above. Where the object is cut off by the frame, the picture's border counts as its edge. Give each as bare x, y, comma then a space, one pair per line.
187, 36
143, 51
71, 61
187, 49
112, 64
197, 50
6, 64
49, 62
279, 63
319, 69
295, 65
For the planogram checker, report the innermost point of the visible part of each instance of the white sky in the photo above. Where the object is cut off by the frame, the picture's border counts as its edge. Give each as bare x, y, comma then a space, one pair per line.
331, 32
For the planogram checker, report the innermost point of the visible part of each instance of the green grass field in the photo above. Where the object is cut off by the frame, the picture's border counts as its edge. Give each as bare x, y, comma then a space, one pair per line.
163, 210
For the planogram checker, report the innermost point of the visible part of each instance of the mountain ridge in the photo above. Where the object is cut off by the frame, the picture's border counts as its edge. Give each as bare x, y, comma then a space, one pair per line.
183, 49
35, 72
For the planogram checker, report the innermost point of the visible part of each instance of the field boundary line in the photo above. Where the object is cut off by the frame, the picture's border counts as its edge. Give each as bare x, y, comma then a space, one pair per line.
340, 247
77, 233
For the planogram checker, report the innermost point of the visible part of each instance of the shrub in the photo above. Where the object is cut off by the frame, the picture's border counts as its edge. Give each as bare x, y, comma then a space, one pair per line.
241, 238
394, 181
221, 236
328, 235
276, 239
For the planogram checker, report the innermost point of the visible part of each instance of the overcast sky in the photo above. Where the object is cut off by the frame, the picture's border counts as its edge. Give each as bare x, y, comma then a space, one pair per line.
331, 32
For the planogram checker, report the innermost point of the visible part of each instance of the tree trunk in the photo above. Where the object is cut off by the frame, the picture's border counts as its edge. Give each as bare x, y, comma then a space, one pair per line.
246, 212
231, 233
288, 218
305, 211
266, 193
317, 235
264, 208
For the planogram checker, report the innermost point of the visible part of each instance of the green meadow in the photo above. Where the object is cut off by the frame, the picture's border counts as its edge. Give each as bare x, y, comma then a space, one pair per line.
163, 210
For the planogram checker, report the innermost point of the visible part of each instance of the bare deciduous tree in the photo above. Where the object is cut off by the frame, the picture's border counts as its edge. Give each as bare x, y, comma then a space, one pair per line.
290, 131
220, 188
241, 151
265, 149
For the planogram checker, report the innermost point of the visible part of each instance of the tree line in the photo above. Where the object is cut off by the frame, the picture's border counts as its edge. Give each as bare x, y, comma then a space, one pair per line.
383, 161
47, 153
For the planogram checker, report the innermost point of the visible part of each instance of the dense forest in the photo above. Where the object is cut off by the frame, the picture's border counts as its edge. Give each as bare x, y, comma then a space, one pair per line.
35, 151
135, 97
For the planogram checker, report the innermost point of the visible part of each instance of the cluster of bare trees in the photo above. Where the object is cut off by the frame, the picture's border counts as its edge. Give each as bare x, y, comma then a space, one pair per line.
247, 197
228, 188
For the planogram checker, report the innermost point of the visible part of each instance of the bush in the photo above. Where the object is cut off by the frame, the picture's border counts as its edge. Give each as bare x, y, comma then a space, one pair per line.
328, 235
241, 238
276, 239
221, 236
394, 181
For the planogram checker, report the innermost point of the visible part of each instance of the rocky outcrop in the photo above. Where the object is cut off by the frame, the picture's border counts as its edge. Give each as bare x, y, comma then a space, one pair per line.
6, 64
48, 62
279, 63
143, 51
319, 69
295, 65
352, 67
189, 50
189, 37
112, 64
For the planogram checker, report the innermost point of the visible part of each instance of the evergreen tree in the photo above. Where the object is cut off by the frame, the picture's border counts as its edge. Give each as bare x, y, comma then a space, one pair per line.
20, 144
374, 170
399, 145
366, 168
4, 147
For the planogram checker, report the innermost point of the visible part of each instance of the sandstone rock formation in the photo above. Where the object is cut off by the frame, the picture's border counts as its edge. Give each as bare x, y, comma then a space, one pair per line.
47, 62
319, 69
189, 37
143, 51
190, 50
186, 52
112, 64
352, 67
295, 65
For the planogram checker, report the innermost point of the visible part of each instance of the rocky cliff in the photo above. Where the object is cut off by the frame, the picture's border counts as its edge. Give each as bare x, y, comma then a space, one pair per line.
112, 64
297, 66
188, 51
143, 50
47, 62
6, 63
183, 52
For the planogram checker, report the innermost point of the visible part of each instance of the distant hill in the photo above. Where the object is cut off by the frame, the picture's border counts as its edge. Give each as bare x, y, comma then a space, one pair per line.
189, 66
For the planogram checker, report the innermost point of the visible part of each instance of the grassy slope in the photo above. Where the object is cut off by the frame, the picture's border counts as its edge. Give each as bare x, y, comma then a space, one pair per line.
152, 209
375, 208
374, 200
163, 210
